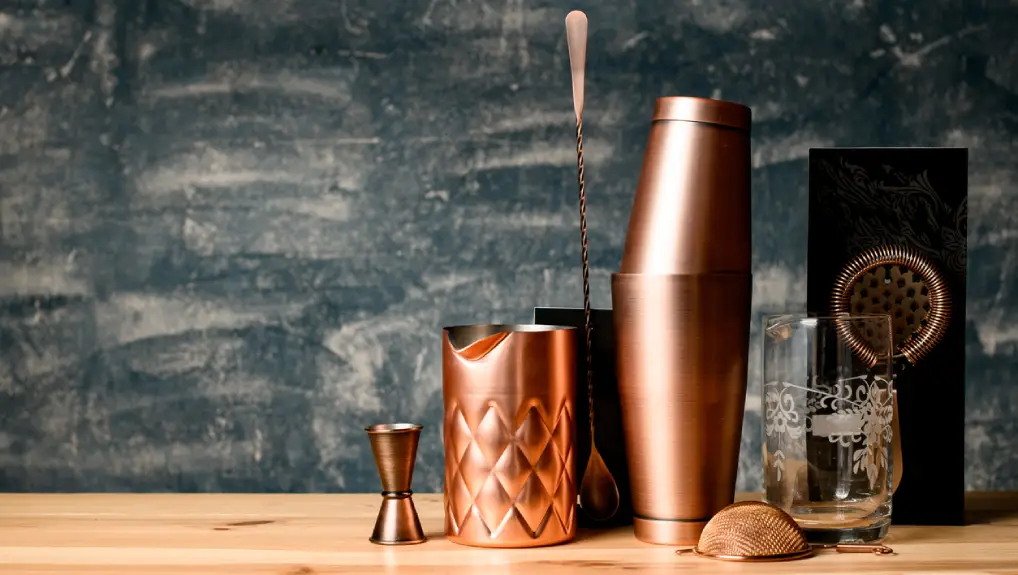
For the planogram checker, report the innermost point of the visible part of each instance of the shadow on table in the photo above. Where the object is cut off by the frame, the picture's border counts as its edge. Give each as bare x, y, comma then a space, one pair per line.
1002, 516
434, 535
588, 534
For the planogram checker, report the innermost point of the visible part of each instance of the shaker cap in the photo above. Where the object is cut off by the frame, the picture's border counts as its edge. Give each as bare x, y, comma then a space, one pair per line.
704, 110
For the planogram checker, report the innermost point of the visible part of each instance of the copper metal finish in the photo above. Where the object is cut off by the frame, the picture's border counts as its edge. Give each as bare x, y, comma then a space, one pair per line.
898, 281
395, 449
682, 344
586, 270
599, 494
874, 548
681, 306
703, 110
691, 213
509, 393
896, 460
755, 531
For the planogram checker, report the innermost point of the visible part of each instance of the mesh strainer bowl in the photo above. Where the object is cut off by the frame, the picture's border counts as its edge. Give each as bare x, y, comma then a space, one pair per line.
758, 531
752, 530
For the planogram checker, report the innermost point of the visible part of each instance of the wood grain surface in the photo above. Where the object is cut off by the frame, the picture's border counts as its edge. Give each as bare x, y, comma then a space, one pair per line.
307, 534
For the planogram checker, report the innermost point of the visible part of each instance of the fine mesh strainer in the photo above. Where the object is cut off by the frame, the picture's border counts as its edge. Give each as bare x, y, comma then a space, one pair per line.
758, 531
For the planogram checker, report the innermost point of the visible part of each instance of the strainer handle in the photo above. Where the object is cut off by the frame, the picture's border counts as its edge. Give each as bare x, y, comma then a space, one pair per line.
875, 548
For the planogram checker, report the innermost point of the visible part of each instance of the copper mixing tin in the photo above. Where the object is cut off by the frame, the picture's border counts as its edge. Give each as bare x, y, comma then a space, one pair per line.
509, 395
682, 344
691, 212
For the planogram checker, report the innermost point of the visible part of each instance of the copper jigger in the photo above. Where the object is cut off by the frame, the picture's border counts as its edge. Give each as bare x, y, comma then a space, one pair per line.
509, 434
395, 448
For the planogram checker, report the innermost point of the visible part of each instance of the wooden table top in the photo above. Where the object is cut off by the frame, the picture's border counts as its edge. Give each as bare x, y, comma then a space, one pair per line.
306, 534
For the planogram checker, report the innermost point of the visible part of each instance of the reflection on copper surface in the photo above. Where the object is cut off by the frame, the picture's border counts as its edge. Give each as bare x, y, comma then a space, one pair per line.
682, 343
681, 317
691, 213
509, 393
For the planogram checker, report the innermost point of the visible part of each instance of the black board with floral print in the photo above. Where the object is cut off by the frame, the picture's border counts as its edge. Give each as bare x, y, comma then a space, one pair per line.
914, 198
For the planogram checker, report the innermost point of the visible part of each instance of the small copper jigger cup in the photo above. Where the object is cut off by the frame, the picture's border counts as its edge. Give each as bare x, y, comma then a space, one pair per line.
682, 347
395, 448
509, 434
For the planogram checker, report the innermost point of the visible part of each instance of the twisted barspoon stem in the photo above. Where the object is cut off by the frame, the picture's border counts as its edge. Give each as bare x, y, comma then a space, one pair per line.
588, 328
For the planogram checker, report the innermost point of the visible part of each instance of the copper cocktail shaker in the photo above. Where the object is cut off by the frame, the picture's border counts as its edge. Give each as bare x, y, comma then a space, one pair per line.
681, 312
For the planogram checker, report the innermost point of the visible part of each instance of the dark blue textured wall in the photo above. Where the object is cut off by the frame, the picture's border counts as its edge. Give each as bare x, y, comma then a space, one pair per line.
232, 229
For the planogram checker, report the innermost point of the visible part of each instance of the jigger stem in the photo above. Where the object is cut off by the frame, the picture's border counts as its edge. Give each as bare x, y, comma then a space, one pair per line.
395, 448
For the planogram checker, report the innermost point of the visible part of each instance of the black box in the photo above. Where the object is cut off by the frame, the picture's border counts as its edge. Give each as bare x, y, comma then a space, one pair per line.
915, 198
607, 410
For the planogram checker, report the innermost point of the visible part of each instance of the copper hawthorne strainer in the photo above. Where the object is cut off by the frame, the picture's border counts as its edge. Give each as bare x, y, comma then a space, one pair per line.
898, 281
758, 531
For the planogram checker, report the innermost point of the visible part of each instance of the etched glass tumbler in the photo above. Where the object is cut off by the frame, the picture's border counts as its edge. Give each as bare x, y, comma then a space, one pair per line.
827, 419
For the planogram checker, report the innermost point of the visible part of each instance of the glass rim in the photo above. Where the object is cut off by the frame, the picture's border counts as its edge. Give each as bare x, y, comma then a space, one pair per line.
842, 317
778, 320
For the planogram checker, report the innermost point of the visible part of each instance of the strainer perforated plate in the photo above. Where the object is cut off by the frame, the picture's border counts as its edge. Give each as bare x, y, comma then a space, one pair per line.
898, 281
894, 290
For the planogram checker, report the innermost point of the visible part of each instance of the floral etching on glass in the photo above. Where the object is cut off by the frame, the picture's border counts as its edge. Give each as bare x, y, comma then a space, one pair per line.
853, 412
